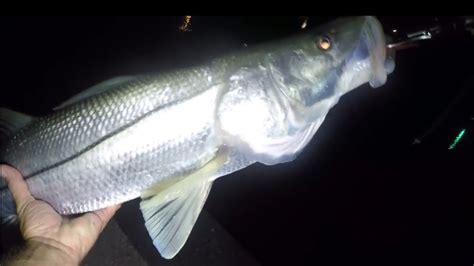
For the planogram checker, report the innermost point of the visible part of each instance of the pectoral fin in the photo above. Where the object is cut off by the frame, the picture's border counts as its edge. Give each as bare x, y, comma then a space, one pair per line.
169, 224
170, 210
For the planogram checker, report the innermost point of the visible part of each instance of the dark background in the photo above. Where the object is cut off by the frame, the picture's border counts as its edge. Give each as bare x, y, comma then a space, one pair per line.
360, 192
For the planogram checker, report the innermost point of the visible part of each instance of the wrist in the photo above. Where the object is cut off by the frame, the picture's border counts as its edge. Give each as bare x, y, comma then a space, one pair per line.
44, 252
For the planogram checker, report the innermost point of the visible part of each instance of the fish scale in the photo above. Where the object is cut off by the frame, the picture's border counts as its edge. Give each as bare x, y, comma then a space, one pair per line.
59, 136
131, 160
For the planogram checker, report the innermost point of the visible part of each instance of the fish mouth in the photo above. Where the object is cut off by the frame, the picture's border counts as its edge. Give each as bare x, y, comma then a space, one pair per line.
373, 46
368, 61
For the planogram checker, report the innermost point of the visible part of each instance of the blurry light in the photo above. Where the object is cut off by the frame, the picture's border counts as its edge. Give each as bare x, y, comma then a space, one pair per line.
457, 139
394, 30
186, 26
304, 21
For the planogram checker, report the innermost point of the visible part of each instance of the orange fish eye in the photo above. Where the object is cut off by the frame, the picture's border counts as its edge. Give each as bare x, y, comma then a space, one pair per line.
324, 43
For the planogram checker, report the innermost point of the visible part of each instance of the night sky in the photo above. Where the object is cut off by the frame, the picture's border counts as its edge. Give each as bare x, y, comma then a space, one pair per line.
360, 191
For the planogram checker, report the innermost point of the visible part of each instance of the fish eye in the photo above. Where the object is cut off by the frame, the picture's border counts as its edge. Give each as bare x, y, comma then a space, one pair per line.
324, 43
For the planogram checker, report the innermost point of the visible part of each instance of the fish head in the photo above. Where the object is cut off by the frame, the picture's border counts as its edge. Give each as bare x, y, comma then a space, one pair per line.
318, 67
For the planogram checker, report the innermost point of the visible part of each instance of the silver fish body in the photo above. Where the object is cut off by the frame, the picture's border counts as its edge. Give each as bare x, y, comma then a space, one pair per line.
111, 147
263, 104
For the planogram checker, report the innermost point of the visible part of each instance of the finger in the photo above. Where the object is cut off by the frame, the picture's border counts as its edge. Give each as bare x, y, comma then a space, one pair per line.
108, 213
17, 185
90, 225
99, 219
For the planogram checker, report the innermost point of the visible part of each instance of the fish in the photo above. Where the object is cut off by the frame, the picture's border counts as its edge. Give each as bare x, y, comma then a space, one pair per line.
166, 137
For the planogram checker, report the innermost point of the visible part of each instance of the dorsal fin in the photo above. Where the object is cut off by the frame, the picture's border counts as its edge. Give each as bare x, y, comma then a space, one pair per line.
96, 89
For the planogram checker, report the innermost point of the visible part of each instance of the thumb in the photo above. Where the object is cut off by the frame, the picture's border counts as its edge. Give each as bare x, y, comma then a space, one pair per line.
17, 186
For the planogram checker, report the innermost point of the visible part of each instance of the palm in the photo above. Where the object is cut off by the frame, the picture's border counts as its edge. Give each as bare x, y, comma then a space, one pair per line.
39, 222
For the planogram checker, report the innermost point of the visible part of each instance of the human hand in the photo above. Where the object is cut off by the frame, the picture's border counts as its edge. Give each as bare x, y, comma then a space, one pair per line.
50, 238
